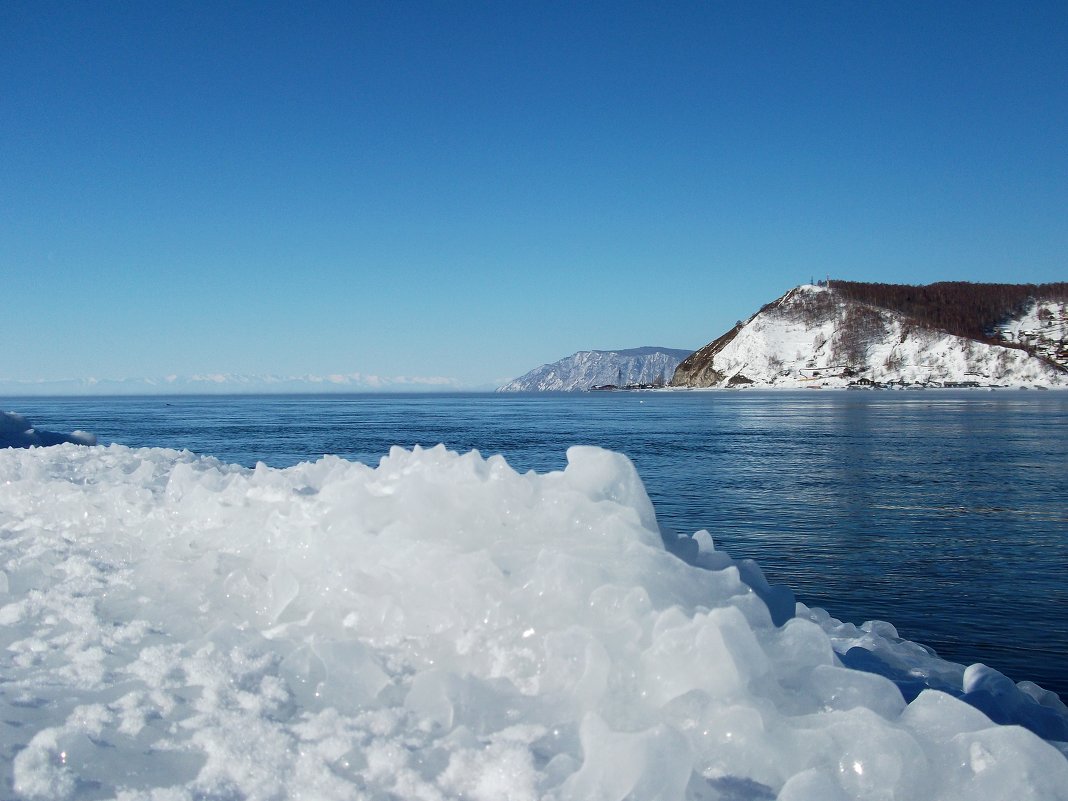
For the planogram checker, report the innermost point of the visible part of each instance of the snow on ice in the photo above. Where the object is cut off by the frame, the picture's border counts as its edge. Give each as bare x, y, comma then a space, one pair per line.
445, 627
16, 431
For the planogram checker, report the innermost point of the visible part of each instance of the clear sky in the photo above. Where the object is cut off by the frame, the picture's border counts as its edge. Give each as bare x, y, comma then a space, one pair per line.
472, 189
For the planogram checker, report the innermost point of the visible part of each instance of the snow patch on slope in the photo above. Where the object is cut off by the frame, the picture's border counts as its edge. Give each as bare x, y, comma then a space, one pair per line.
1042, 329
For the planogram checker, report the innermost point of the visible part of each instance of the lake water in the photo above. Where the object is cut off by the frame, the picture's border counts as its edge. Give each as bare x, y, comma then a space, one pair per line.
944, 512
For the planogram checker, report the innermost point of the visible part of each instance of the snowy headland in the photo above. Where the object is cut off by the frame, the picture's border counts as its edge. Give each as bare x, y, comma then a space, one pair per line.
440, 627
818, 336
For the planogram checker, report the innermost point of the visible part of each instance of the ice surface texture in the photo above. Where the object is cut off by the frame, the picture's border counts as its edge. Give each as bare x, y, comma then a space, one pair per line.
438, 627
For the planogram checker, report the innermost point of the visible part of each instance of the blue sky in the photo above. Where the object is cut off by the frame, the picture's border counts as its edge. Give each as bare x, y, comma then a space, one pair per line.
472, 189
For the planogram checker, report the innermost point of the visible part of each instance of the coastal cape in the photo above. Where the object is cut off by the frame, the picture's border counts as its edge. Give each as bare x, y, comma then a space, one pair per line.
842, 334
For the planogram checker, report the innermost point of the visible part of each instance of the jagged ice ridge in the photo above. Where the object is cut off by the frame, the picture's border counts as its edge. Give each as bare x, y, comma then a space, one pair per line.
442, 626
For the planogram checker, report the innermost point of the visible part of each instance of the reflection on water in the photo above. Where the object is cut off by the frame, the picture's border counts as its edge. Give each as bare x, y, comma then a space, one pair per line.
943, 512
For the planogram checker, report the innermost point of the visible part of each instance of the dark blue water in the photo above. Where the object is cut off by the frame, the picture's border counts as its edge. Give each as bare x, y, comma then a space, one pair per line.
945, 513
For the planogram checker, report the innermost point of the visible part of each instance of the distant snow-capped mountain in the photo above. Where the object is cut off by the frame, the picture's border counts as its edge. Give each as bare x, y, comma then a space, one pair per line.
229, 383
593, 368
818, 336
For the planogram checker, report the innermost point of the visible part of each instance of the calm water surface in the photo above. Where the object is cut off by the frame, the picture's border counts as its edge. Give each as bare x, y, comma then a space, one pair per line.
945, 513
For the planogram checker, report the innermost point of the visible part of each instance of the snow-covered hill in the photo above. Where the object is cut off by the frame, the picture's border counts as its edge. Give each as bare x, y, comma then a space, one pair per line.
593, 368
814, 336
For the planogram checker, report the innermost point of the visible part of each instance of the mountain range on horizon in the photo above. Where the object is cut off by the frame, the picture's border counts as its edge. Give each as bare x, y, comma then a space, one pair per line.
230, 384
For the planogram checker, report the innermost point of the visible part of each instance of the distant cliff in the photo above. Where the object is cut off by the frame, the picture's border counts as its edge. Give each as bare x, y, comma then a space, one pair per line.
593, 368
846, 333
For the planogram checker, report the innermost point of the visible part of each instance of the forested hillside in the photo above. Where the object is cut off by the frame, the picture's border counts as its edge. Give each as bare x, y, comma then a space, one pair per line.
957, 307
